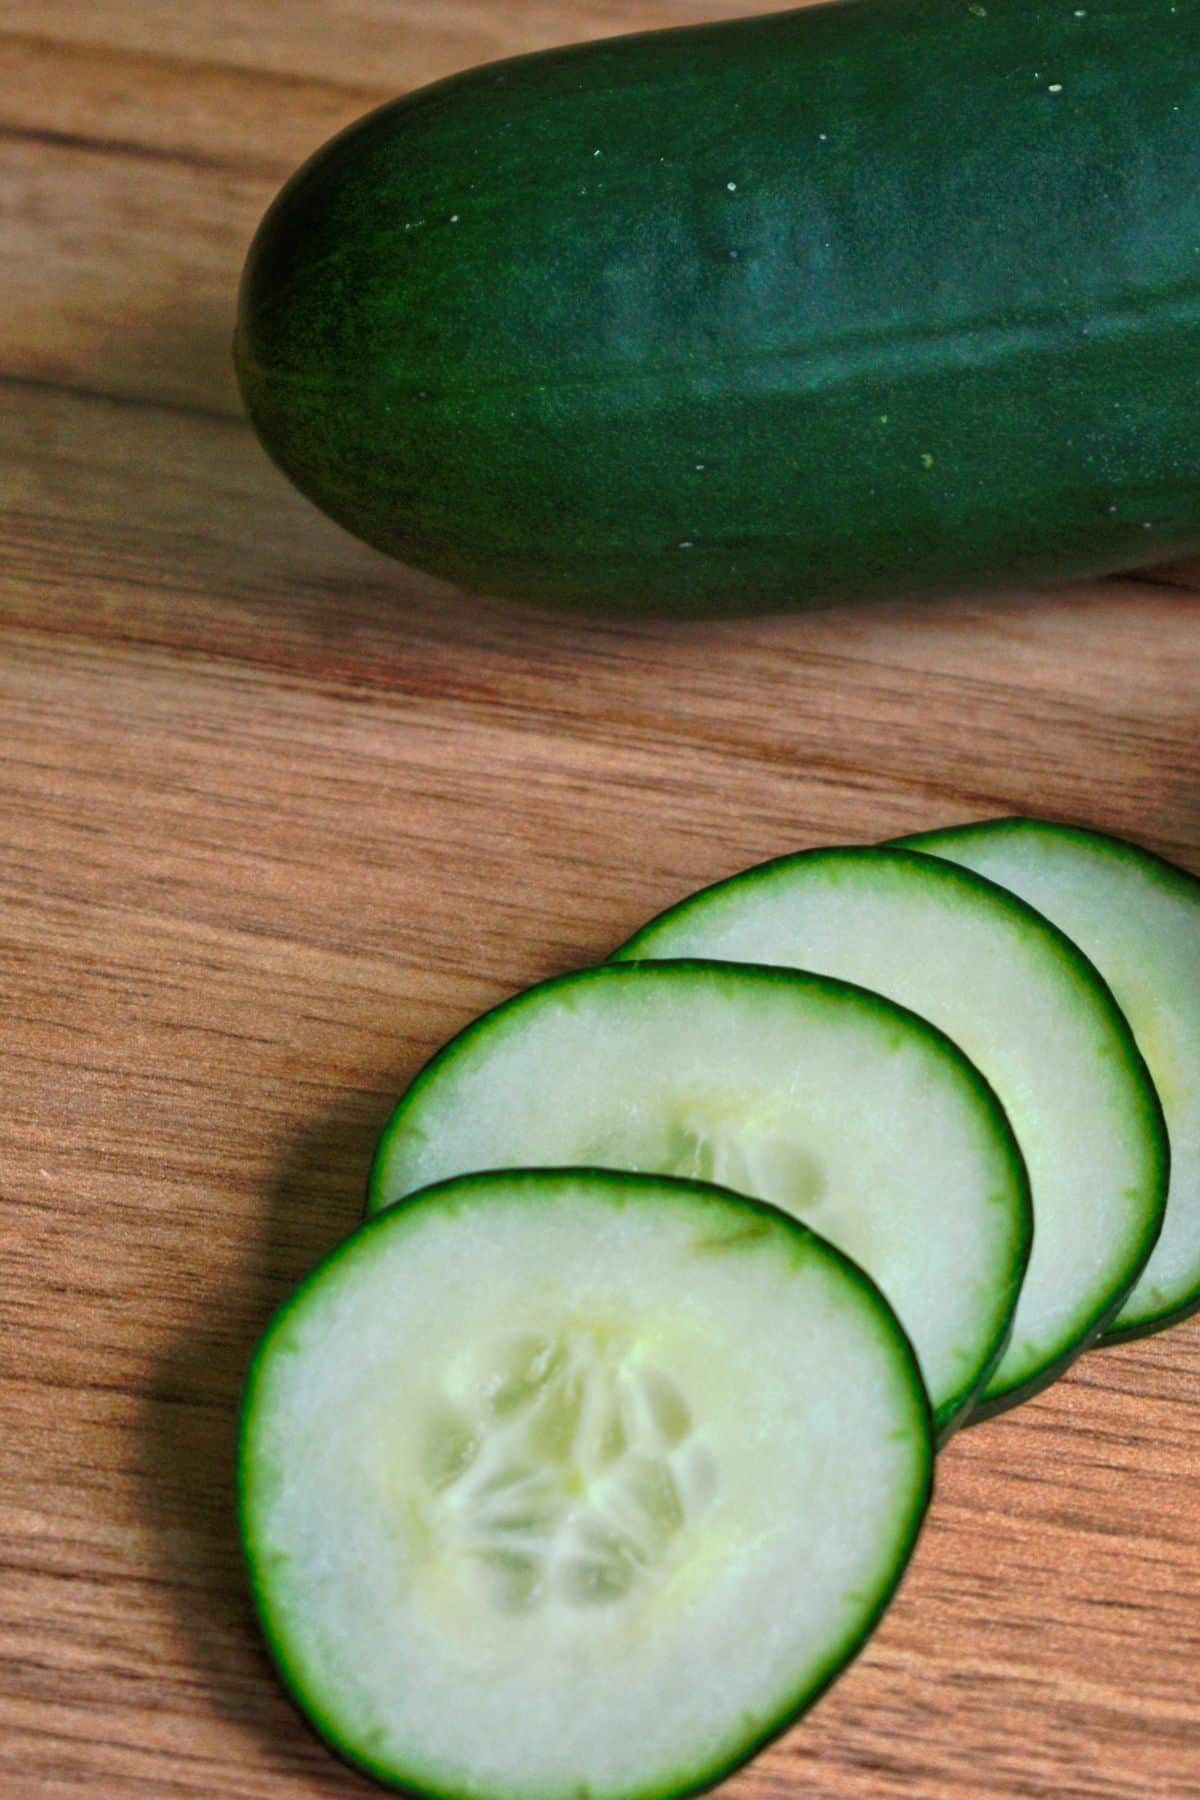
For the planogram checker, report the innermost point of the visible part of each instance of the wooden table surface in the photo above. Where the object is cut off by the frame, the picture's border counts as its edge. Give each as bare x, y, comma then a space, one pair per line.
276, 817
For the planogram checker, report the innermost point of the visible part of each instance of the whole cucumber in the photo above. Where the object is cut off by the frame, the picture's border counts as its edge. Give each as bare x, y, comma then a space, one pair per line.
877, 297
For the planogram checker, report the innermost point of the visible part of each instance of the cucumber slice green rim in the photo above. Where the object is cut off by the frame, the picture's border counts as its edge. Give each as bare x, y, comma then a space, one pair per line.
832, 1103
714, 1422
1137, 916
1029, 1009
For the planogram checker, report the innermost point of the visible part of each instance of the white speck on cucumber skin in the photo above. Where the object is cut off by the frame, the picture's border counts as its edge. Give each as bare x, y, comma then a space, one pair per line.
1055, 87
687, 544
732, 186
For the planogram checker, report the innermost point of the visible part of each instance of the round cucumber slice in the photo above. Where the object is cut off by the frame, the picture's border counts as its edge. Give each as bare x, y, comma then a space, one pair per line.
1028, 1008
1138, 918
563, 1483
833, 1104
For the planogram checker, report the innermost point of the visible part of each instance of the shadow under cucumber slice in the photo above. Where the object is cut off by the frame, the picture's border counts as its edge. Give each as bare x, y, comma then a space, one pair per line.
833, 1104
571, 1482
1030, 1011
1138, 918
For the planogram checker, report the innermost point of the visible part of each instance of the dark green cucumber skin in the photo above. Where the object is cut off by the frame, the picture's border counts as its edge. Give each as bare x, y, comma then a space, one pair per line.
878, 297
540, 1184
1144, 1328
1170, 876
961, 1408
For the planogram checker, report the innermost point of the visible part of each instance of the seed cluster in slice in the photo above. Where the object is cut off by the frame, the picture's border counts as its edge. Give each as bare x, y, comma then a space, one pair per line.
832, 1103
567, 1470
575, 1481
1027, 1007
1138, 919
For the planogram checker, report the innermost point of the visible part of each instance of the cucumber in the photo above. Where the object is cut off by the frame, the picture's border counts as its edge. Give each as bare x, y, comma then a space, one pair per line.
832, 1104
1138, 918
883, 297
1030, 1011
563, 1484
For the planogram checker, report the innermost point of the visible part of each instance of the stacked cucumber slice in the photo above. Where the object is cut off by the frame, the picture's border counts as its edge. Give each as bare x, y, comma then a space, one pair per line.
584, 1470
750, 1077
1034, 1015
1138, 919
570, 1482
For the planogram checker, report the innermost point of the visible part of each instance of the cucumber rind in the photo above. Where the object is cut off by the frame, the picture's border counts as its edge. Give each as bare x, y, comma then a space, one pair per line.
964, 1402
1172, 879
1091, 1326
540, 1183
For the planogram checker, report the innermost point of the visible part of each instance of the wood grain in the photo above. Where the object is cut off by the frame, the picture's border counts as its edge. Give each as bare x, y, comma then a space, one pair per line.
276, 817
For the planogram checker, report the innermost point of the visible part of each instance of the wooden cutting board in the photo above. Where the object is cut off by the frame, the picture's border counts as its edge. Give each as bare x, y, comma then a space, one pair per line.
276, 817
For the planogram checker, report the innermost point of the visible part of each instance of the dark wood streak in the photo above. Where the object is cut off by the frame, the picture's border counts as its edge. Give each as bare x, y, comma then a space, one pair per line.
117, 148
141, 403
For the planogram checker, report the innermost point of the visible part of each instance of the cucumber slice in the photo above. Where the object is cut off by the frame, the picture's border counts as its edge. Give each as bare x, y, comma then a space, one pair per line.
1138, 918
566, 1483
1028, 1008
833, 1104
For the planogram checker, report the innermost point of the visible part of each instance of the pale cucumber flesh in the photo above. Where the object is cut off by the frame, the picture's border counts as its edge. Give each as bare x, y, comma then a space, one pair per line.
830, 1103
1138, 919
1028, 1009
570, 1482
